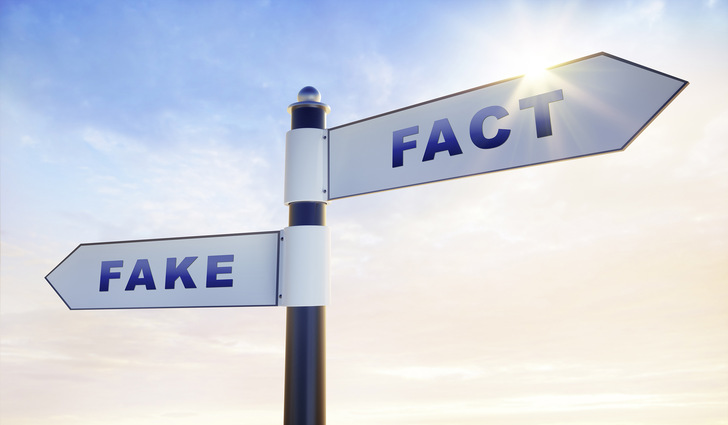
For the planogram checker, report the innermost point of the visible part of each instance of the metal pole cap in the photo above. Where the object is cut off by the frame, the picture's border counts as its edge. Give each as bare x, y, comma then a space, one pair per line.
311, 98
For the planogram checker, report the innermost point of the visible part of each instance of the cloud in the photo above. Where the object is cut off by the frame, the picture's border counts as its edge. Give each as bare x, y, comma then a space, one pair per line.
427, 373
651, 10
109, 143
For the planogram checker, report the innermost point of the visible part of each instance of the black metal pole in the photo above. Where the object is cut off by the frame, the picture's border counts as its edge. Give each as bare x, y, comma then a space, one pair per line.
305, 379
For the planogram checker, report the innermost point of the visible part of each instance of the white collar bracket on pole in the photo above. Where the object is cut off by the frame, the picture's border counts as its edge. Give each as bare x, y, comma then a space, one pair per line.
305, 278
306, 178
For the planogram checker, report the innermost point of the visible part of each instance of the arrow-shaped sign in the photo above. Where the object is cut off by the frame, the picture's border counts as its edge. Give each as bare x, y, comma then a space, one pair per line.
203, 271
588, 106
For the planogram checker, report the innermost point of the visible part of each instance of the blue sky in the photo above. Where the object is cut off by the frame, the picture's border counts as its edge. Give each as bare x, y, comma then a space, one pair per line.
589, 292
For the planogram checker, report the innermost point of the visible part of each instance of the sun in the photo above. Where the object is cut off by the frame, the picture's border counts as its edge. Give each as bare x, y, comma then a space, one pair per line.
535, 67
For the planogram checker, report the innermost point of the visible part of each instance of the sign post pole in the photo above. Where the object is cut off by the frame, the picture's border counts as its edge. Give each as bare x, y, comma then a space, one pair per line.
305, 364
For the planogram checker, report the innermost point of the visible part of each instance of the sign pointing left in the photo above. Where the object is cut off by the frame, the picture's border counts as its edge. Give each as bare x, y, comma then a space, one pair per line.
204, 271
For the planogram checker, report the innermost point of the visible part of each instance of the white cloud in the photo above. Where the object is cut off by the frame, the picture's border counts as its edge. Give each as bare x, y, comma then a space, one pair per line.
651, 10
109, 143
427, 373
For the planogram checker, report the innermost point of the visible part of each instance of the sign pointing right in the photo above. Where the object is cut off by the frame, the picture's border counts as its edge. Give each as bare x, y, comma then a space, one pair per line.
593, 105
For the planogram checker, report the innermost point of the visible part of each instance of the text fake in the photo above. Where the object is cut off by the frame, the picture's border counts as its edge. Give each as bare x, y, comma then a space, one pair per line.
141, 273
441, 129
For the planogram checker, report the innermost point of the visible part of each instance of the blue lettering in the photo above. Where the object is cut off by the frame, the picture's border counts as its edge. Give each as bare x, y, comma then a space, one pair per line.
476, 128
399, 145
450, 143
107, 274
540, 104
180, 271
141, 275
213, 269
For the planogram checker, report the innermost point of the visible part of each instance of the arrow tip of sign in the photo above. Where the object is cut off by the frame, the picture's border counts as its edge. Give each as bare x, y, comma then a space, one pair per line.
47, 278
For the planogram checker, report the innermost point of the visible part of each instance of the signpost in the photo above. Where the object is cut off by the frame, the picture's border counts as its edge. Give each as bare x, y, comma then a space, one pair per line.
593, 105
206, 271
588, 106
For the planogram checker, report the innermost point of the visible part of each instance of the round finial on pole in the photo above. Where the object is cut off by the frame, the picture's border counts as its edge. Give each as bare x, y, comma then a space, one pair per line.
310, 94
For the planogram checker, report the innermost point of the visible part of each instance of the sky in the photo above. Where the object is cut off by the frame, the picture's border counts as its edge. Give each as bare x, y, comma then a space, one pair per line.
592, 291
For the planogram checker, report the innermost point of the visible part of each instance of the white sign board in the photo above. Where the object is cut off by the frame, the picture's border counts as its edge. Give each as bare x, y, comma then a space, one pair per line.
589, 106
204, 271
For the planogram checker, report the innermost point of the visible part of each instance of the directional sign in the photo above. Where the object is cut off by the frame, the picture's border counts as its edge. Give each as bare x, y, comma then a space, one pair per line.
588, 106
205, 271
